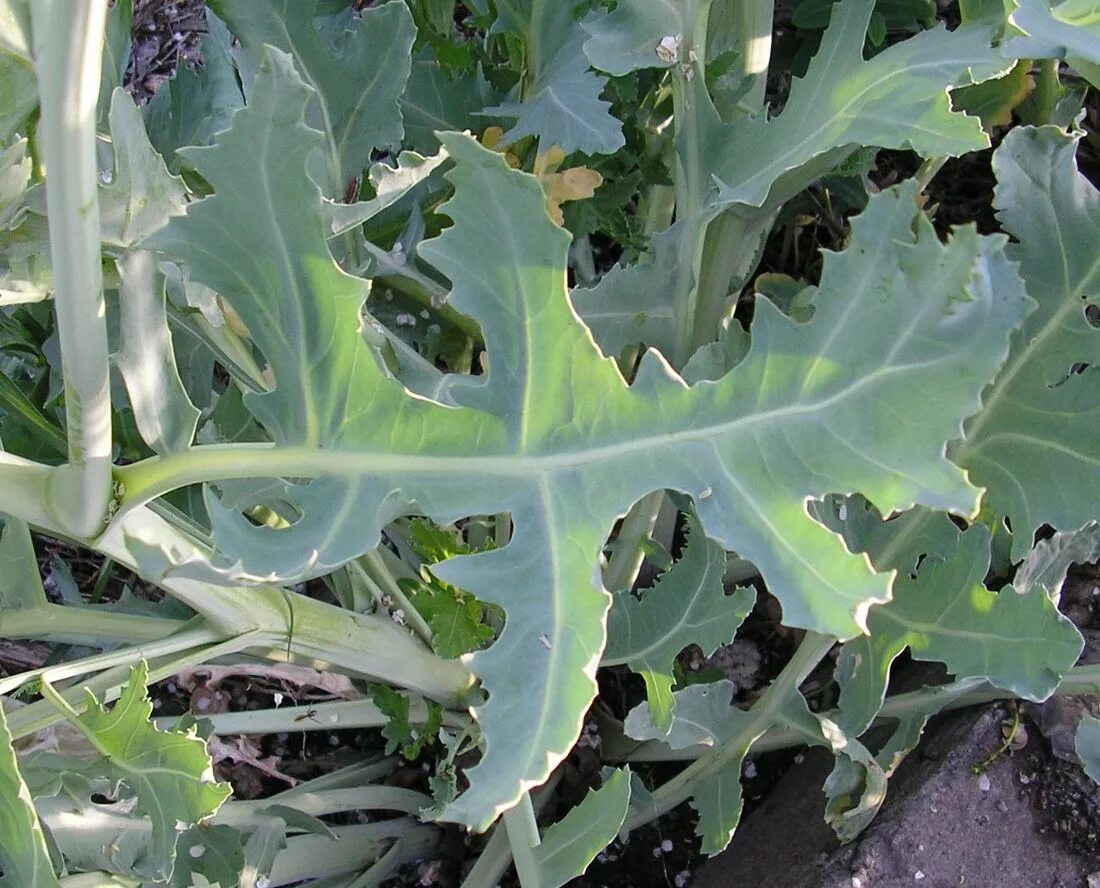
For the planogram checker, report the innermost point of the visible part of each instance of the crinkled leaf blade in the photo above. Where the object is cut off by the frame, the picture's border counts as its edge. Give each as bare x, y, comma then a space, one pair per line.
1018, 642
1035, 444
898, 99
687, 605
356, 63
168, 772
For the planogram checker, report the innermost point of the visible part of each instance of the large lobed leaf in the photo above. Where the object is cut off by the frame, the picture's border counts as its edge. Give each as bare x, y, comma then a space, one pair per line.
553, 434
1035, 444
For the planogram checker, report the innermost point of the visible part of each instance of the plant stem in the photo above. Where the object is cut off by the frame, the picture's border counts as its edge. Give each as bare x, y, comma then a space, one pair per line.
764, 713
753, 25
626, 560
1047, 87
523, 837
84, 626
956, 695
378, 572
688, 78
68, 50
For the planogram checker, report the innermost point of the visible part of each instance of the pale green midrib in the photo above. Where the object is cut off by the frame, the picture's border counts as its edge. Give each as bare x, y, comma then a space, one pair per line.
224, 461
297, 299
942, 630
1038, 443
315, 85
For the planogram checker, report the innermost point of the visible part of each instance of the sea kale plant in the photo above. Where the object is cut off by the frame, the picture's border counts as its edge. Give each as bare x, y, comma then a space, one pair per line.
396, 341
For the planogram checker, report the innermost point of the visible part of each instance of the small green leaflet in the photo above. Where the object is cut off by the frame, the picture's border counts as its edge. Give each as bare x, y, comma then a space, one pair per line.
399, 732
574, 841
1034, 444
687, 605
24, 860
168, 773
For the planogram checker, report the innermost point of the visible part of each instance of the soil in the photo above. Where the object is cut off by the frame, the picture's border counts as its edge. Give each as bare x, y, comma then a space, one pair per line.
1034, 820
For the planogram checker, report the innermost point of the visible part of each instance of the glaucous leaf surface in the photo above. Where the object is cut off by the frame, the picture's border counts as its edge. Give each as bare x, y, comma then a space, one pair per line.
168, 773
553, 434
574, 841
627, 38
897, 99
687, 605
560, 101
356, 63
191, 107
24, 859
139, 195
165, 416
1055, 30
1088, 745
1034, 444
1018, 642
1050, 560
633, 304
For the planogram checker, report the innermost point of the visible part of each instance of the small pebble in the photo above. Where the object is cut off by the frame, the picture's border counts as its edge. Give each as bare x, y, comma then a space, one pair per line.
749, 770
983, 783
918, 876
666, 846
857, 882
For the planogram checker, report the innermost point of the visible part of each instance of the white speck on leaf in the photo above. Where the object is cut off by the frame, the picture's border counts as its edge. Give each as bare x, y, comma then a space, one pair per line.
278, 699
545, 641
405, 320
706, 493
668, 50
196, 850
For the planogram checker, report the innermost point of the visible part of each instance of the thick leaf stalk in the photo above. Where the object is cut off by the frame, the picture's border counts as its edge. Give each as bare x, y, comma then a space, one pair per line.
68, 41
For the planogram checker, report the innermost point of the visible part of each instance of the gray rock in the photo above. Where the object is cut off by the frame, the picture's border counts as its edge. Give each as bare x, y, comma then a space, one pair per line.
942, 826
